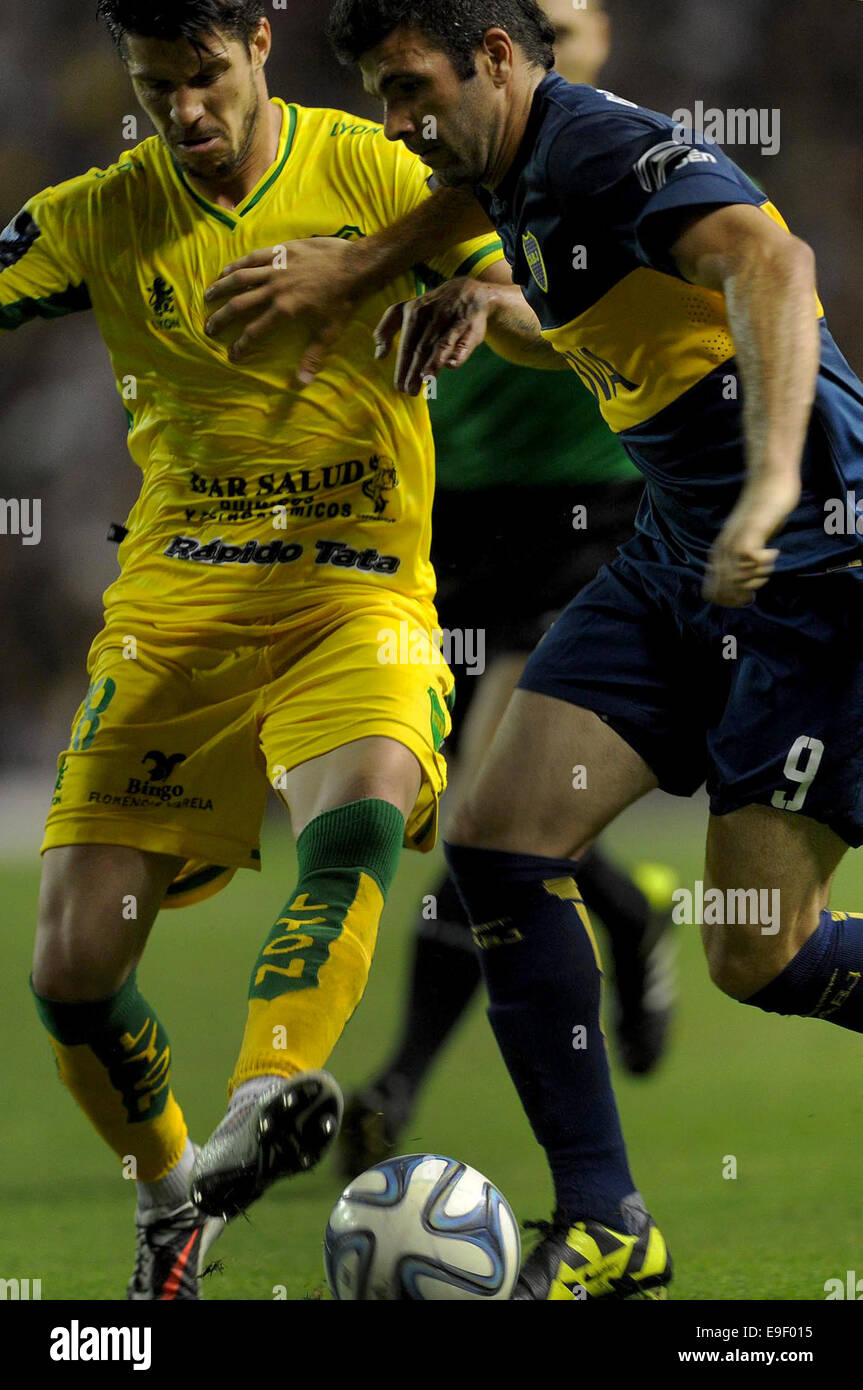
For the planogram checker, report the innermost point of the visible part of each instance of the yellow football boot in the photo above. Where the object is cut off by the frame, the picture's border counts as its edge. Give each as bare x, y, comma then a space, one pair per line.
589, 1260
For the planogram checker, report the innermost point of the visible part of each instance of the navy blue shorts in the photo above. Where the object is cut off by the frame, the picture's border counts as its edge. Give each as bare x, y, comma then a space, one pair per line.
764, 704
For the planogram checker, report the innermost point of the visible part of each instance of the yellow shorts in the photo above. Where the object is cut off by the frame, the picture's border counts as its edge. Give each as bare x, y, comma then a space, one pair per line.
176, 745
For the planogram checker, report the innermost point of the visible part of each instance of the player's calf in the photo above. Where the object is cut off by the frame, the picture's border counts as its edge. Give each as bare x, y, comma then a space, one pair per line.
115, 1057
313, 967
825, 977
308, 979
111, 1049
543, 974
789, 955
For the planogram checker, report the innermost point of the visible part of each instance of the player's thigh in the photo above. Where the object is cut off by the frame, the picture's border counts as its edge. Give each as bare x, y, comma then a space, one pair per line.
367, 767
554, 777
485, 712
598, 720
361, 712
163, 756
97, 904
773, 871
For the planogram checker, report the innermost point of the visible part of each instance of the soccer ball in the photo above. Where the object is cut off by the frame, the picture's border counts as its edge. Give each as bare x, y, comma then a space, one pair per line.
421, 1227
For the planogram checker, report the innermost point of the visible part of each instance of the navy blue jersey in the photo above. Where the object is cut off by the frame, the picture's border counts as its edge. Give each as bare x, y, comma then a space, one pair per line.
587, 214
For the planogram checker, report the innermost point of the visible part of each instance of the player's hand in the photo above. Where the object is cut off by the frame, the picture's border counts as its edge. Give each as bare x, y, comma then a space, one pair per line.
314, 282
439, 330
740, 562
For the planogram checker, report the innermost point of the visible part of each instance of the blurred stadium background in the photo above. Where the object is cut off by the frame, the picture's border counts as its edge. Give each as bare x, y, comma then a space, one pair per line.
778, 1096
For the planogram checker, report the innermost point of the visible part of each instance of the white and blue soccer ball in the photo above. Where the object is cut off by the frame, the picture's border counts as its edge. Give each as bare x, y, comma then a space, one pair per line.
422, 1227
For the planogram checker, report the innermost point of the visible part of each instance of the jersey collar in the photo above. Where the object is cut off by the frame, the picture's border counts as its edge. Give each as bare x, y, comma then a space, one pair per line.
230, 217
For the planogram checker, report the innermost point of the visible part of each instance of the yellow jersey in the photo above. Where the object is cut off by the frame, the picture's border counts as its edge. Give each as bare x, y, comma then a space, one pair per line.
258, 498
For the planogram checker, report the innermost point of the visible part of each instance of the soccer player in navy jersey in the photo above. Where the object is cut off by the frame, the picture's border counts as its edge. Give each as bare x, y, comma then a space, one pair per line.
584, 495
721, 646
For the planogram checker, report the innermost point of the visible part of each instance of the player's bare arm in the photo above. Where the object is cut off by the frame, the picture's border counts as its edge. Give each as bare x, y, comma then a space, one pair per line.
768, 279
322, 281
443, 328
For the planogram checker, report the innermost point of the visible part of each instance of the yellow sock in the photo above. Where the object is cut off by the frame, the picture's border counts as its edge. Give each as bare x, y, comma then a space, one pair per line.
114, 1056
313, 968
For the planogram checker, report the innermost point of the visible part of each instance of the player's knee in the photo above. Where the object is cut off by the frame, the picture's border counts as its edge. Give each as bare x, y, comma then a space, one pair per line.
729, 974
462, 828
477, 827
74, 972
739, 964
70, 960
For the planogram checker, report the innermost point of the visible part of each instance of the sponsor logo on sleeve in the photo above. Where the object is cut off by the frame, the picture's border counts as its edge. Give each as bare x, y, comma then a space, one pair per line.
657, 164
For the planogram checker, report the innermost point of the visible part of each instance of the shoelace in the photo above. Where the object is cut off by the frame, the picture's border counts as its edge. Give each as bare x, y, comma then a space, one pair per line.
558, 1225
545, 1230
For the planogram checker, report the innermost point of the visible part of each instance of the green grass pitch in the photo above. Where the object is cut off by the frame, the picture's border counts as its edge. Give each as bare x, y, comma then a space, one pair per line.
782, 1096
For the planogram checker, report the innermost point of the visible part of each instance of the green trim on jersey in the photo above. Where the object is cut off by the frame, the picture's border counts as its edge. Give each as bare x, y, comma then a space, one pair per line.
498, 425
467, 266
196, 880
292, 130
428, 279
223, 215
72, 300
218, 213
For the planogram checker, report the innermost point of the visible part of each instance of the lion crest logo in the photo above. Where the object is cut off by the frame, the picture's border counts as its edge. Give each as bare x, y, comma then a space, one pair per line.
383, 481
162, 303
161, 296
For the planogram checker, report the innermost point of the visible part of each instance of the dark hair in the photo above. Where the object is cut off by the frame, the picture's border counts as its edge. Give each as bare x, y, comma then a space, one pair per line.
182, 19
456, 26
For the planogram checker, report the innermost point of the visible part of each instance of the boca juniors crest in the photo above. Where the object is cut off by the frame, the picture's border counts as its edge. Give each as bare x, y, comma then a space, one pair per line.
533, 252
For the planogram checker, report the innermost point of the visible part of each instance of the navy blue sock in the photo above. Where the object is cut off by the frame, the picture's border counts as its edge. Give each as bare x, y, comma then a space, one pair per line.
825, 978
544, 982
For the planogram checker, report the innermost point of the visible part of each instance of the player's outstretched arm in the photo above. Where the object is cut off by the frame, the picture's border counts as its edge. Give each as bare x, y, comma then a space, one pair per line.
768, 279
40, 273
444, 327
322, 282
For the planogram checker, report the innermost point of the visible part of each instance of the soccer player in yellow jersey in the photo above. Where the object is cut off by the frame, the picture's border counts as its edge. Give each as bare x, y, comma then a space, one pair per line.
272, 622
